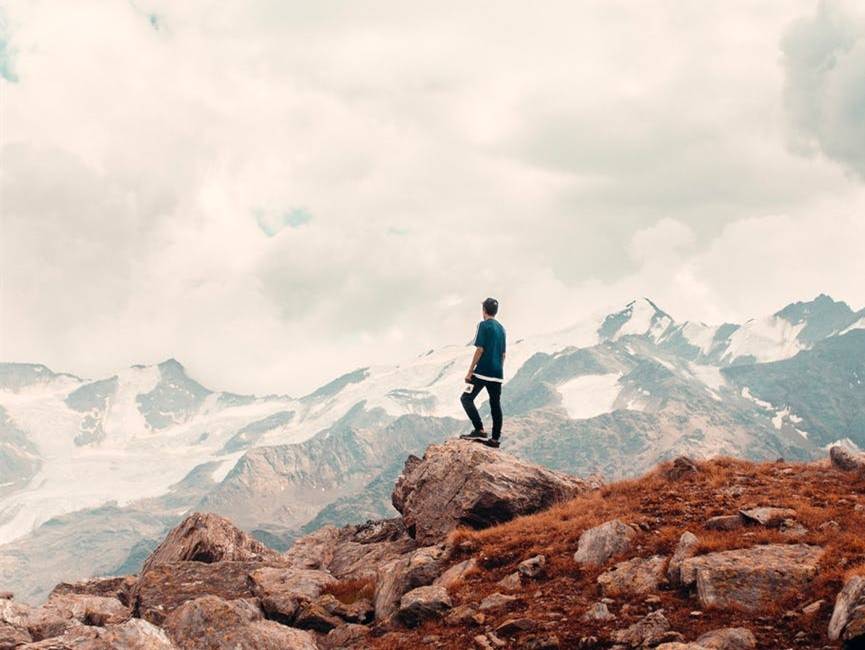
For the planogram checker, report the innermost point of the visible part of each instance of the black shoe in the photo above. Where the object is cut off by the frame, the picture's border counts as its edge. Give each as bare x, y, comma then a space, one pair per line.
475, 435
492, 442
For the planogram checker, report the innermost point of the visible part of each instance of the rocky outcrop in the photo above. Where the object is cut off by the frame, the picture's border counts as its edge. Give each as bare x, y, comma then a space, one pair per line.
206, 537
597, 545
846, 460
749, 577
119, 587
462, 483
416, 569
283, 591
88, 609
848, 617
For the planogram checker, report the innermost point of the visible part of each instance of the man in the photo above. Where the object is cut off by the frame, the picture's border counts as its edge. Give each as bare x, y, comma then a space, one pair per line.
486, 371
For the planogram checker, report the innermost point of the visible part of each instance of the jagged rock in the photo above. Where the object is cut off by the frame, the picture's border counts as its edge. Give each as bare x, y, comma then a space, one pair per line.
792, 528
813, 608
419, 568
212, 623
728, 638
648, 631
206, 537
359, 611
464, 615
76, 637
88, 609
848, 617
532, 567
513, 626
464, 483
846, 460
38, 622
137, 634
312, 616
747, 577
282, 591
119, 587
769, 517
511, 582
456, 572
12, 637
682, 466
597, 545
498, 601
597, 612
347, 636
725, 522
423, 603
685, 549
545, 641
164, 587
636, 576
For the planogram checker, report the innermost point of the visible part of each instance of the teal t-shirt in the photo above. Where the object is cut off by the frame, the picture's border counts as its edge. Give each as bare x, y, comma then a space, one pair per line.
491, 337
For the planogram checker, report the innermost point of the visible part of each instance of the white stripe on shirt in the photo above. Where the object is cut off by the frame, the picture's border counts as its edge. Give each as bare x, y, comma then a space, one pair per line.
498, 379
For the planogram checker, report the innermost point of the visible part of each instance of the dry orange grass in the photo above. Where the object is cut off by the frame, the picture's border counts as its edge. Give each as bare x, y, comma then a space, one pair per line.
350, 591
662, 509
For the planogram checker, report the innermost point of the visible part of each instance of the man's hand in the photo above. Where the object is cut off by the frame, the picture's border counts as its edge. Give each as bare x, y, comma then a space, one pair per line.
469, 378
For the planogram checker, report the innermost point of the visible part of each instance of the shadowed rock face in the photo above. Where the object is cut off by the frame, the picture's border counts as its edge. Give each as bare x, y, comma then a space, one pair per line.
465, 483
206, 537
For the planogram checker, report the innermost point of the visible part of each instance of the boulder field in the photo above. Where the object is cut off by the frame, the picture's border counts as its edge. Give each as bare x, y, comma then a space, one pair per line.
492, 552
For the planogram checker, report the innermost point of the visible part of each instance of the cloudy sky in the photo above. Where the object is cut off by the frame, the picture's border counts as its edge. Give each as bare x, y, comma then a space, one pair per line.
276, 192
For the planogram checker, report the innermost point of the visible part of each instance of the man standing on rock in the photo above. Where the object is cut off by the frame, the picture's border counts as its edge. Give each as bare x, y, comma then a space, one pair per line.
486, 371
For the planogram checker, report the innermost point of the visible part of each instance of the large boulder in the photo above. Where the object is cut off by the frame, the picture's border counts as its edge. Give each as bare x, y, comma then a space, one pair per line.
848, 617
211, 623
463, 483
686, 548
423, 603
165, 587
206, 537
416, 569
728, 638
283, 591
847, 460
748, 578
597, 545
38, 622
12, 637
636, 576
88, 609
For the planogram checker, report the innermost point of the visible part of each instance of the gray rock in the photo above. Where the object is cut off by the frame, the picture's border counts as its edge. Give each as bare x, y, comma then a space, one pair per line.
648, 631
456, 573
728, 638
770, 517
685, 549
636, 576
725, 522
511, 582
497, 601
282, 591
846, 460
423, 603
532, 567
597, 545
597, 612
848, 617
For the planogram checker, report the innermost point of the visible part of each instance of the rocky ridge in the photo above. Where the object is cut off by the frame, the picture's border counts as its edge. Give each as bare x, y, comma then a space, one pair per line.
493, 552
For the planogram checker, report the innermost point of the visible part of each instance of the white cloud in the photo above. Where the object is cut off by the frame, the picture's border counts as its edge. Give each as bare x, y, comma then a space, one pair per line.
156, 157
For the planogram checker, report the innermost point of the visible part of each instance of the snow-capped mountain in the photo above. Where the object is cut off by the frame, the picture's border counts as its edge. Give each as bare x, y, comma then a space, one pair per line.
103, 466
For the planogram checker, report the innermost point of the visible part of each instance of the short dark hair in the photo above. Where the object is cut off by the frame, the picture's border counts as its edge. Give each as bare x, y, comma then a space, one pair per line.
491, 306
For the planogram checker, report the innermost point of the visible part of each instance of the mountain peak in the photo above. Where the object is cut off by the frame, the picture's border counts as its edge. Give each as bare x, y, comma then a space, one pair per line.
640, 317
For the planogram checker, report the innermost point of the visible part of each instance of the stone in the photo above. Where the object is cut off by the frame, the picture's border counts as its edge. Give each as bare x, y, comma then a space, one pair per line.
543, 641
40, 623
482, 642
282, 590
848, 616
497, 601
686, 548
312, 616
846, 460
120, 587
6, 595
164, 587
769, 517
513, 626
417, 569
648, 631
511, 582
422, 604
597, 612
682, 466
725, 522
359, 611
12, 637
351, 635
137, 634
597, 545
636, 576
532, 567
746, 578
462, 483
728, 638
456, 573
88, 609
206, 537
464, 615
813, 608
211, 623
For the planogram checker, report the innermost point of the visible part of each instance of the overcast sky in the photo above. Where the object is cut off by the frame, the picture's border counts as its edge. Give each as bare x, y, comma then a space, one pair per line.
277, 192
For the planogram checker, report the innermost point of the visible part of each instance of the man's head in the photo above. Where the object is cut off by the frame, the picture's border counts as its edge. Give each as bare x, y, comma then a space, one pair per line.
491, 307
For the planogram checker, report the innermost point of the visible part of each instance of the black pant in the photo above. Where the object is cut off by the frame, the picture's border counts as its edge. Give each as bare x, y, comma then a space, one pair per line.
494, 390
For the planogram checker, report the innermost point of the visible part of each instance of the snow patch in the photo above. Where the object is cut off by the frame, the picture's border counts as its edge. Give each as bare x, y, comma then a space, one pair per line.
746, 393
858, 325
709, 375
767, 339
699, 335
589, 395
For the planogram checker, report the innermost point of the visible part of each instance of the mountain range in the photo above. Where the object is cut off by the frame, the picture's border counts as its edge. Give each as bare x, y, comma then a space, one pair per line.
94, 472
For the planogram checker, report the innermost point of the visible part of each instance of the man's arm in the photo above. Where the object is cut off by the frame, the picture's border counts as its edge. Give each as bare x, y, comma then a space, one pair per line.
477, 357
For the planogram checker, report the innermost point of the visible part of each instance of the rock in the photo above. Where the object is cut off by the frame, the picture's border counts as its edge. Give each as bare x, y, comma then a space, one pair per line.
768, 516
212, 623
40, 623
813, 608
312, 616
206, 537
87, 609
497, 601
532, 567
282, 591
513, 626
792, 528
76, 637
464, 615
359, 611
462, 483
164, 587
848, 617
120, 587
6, 595
728, 638
456, 573
636, 576
846, 460
137, 634
545, 641
417, 569
685, 549
725, 522
511, 582
351, 635
597, 612
747, 577
423, 603
597, 545
12, 637
482, 642
648, 631
682, 466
